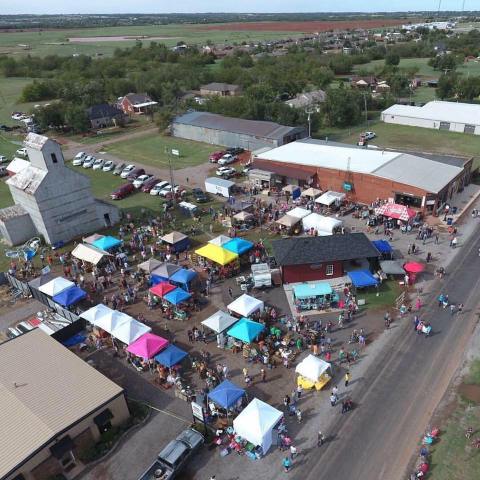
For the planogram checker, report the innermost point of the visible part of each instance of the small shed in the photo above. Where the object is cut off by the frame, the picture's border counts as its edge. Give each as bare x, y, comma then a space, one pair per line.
16, 225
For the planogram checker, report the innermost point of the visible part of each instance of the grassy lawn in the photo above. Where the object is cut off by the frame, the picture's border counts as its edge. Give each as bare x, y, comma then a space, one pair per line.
151, 150
5, 197
9, 144
388, 292
424, 95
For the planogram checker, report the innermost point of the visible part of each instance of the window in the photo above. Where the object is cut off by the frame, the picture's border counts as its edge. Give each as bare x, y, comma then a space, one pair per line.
444, 125
469, 129
54, 158
103, 421
329, 270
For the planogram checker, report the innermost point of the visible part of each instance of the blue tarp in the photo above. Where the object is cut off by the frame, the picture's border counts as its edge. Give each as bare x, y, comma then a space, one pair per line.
309, 290
382, 246
238, 246
75, 340
107, 243
177, 296
246, 330
183, 276
70, 296
170, 356
362, 278
226, 394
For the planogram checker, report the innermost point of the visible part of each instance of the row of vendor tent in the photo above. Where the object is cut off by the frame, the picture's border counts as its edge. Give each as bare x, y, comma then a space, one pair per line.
310, 221
164, 271
170, 293
63, 291
224, 250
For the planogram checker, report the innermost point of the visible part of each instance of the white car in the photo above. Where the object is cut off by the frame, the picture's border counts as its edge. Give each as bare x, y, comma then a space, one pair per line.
369, 135
3, 158
89, 161
139, 181
225, 171
79, 156
22, 152
126, 171
226, 159
158, 188
167, 190
98, 164
108, 166
17, 116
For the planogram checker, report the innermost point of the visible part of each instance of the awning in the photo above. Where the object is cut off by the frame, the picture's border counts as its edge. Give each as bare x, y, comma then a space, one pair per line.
362, 278
171, 356
382, 246
107, 243
88, 253
147, 346
173, 237
216, 254
63, 446
288, 221
309, 290
161, 289
227, 394
290, 188
312, 368
70, 296
391, 267
55, 286
184, 276
396, 211
103, 417
245, 305
330, 197
238, 246
220, 321
177, 296
246, 330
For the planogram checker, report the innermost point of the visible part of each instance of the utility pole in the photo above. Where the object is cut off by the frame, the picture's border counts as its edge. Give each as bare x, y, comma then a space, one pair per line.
309, 111
366, 111
170, 170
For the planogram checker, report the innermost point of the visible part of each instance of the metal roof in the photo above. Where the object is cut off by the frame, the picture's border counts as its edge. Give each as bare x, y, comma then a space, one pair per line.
242, 126
219, 87
44, 389
452, 112
17, 164
220, 182
28, 179
12, 212
35, 141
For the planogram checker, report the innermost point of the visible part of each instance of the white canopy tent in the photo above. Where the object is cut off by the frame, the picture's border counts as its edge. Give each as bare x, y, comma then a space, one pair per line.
89, 253
242, 216
312, 368
323, 225
256, 423
94, 314
128, 331
220, 321
288, 221
311, 192
245, 305
299, 212
220, 240
55, 286
331, 197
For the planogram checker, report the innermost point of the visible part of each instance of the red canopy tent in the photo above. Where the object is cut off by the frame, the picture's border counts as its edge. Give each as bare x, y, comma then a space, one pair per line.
162, 288
397, 211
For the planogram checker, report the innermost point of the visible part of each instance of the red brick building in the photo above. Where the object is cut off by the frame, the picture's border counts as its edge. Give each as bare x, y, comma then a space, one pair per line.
425, 183
136, 103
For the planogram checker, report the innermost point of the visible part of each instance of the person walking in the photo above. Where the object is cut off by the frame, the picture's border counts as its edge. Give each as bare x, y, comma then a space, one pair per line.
452, 309
460, 308
299, 392
416, 321
287, 464
286, 401
293, 452
335, 391
299, 415
320, 439
263, 375
347, 379
245, 372
230, 292
333, 399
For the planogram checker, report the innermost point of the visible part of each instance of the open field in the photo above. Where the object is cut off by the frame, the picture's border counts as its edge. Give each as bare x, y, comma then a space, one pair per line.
410, 138
7, 145
152, 150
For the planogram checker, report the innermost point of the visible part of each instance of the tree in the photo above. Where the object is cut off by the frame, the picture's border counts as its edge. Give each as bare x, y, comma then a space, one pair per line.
49, 116
468, 88
392, 59
447, 86
343, 106
162, 119
444, 62
76, 118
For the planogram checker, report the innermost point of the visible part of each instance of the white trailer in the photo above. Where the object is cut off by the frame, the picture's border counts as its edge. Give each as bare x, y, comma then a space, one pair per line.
262, 276
219, 186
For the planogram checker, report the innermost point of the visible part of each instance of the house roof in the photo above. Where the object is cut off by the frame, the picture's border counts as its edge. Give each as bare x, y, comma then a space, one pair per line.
241, 126
307, 98
138, 98
17, 164
219, 87
102, 110
309, 250
44, 389
12, 212
28, 179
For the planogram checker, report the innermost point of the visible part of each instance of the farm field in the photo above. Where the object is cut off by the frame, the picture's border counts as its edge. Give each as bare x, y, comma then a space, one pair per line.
152, 150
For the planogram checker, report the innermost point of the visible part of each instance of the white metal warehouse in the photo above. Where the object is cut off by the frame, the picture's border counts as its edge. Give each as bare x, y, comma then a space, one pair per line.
450, 116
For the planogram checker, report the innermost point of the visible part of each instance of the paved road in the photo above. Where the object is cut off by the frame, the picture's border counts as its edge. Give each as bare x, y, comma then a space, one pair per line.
398, 396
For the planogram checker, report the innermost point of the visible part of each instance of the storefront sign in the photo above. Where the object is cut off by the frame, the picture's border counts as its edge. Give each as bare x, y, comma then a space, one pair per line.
347, 186
197, 411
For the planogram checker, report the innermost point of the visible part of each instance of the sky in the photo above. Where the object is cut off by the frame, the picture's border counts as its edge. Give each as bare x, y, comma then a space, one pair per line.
200, 6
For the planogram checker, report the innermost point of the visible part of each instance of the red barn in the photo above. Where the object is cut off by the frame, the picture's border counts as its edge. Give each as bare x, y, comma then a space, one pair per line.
136, 103
304, 259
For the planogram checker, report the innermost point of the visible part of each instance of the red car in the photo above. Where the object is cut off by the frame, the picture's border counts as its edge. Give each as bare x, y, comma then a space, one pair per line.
122, 191
135, 173
216, 156
149, 184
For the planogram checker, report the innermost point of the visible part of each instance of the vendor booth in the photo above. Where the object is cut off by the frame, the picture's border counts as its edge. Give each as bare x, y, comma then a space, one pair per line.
331, 198
150, 265
397, 212
384, 248
320, 225
238, 246
89, 253
219, 321
313, 372
245, 305
292, 190
93, 238
217, 254
299, 212
363, 279
161, 289
288, 221
177, 241
184, 277
413, 269
226, 395
311, 192
314, 296
105, 318
56, 286
107, 243
171, 356
70, 296
220, 240
92, 315
246, 330
129, 331
243, 216
256, 424
177, 296
392, 267
163, 272
147, 346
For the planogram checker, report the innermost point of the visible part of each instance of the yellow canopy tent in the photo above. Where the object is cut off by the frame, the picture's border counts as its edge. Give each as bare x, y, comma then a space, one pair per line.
216, 254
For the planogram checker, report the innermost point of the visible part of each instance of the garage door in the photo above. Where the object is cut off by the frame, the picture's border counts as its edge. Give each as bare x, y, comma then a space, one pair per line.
444, 125
469, 129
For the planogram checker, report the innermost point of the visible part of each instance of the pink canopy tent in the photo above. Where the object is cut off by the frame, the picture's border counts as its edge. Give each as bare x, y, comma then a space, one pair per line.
413, 269
397, 211
162, 288
147, 346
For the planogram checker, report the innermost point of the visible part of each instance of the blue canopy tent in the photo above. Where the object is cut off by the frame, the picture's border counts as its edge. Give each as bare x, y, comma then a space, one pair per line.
383, 247
170, 356
238, 246
227, 394
362, 278
70, 296
246, 330
163, 273
177, 296
107, 243
184, 276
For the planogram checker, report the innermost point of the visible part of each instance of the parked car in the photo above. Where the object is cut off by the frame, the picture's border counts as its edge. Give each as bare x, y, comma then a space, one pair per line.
108, 166
78, 159
98, 164
3, 158
173, 458
227, 159
89, 162
18, 116
13, 332
5, 128
22, 152
158, 188
135, 173
119, 169
122, 191
216, 156
225, 172
167, 190
235, 150
3, 171
149, 184
140, 180
199, 195
24, 327
369, 135
127, 170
